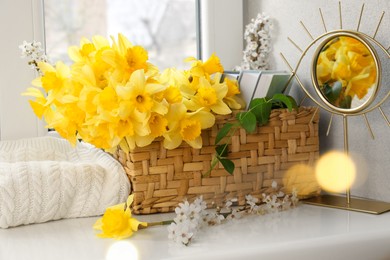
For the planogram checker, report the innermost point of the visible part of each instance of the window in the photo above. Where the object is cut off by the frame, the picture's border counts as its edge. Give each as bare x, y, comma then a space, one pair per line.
166, 28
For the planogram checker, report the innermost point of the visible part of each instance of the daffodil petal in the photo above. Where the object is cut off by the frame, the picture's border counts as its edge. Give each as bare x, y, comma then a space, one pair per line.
134, 223
98, 224
221, 108
173, 142
205, 118
197, 143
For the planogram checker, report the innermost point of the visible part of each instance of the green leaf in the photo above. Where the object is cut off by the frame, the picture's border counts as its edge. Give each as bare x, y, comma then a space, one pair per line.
228, 165
293, 102
247, 121
346, 102
332, 93
223, 132
261, 109
222, 151
336, 89
284, 99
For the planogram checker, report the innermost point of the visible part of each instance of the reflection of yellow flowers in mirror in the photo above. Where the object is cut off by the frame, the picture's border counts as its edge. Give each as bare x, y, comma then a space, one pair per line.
111, 95
345, 69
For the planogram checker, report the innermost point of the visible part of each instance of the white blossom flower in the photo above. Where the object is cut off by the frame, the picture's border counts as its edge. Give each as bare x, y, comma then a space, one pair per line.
172, 231
213, 219
182, 212
251, 201
257, 37
234, 215
34, 52
200, 204
228, 204
181, 233
286, 204
190, 217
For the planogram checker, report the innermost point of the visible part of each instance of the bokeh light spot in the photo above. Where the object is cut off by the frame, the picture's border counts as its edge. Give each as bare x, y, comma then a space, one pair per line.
122, 250
301, 177
335, 172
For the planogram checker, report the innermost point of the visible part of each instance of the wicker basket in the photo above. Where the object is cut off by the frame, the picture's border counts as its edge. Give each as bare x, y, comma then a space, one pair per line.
163, 178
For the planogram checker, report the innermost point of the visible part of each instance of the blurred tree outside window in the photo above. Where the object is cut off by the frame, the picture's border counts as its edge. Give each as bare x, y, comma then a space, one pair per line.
166, 28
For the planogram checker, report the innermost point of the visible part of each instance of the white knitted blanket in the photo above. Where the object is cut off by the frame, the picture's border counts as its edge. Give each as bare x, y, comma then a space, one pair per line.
45, 178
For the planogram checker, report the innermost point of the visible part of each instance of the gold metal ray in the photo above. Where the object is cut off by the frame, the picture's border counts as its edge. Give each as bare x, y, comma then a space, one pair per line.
287, 63
296, 45
288, 82
330, 123
360, 17
368, 126
304, 27
377, 27
341, 17
291, 69
346, 151
323, 21
315, 112
384, 116
303, 100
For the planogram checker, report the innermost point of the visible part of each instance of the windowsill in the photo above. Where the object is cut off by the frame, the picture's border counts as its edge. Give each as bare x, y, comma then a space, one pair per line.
307, 232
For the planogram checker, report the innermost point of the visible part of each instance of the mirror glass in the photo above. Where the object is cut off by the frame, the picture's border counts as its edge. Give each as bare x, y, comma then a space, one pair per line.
345, 72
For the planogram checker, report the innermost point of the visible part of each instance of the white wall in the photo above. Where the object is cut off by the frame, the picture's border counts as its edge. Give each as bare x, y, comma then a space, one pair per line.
19, 20
372, 155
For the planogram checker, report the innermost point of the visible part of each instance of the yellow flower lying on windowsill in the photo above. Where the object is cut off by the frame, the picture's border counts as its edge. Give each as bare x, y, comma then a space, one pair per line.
111, 95
117, 222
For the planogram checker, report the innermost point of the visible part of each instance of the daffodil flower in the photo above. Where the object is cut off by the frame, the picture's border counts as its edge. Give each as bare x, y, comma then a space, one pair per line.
117, 222
202, 69
348, 61
126, 58
209, 97
111, 95
184, 126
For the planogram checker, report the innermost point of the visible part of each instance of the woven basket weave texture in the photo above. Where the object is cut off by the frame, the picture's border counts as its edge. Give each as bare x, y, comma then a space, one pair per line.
163, 178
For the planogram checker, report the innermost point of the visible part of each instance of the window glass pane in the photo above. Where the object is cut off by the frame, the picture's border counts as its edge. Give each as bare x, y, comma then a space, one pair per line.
166, 28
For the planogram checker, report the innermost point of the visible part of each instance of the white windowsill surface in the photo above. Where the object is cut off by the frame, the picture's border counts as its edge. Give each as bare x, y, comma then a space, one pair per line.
307, 232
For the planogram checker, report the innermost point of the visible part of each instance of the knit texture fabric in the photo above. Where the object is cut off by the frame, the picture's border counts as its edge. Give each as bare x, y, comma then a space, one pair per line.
45, 178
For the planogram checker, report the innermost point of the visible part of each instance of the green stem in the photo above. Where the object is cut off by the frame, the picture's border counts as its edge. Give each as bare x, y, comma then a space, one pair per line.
160, 223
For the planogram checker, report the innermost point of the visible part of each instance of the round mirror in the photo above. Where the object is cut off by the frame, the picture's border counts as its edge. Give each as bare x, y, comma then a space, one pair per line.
345, 72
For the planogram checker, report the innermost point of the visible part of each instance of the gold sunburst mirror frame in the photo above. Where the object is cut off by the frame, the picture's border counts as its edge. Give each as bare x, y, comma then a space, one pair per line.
346, 106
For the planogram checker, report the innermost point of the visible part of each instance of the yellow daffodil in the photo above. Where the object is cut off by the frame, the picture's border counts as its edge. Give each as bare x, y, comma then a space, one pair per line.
79, 54
111, 95
209, 97
125, 58
39, 105
178, 85
232, 98
53, 77
348, 61
117, 222
185, 126
140, 94
202, 69
156, 126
